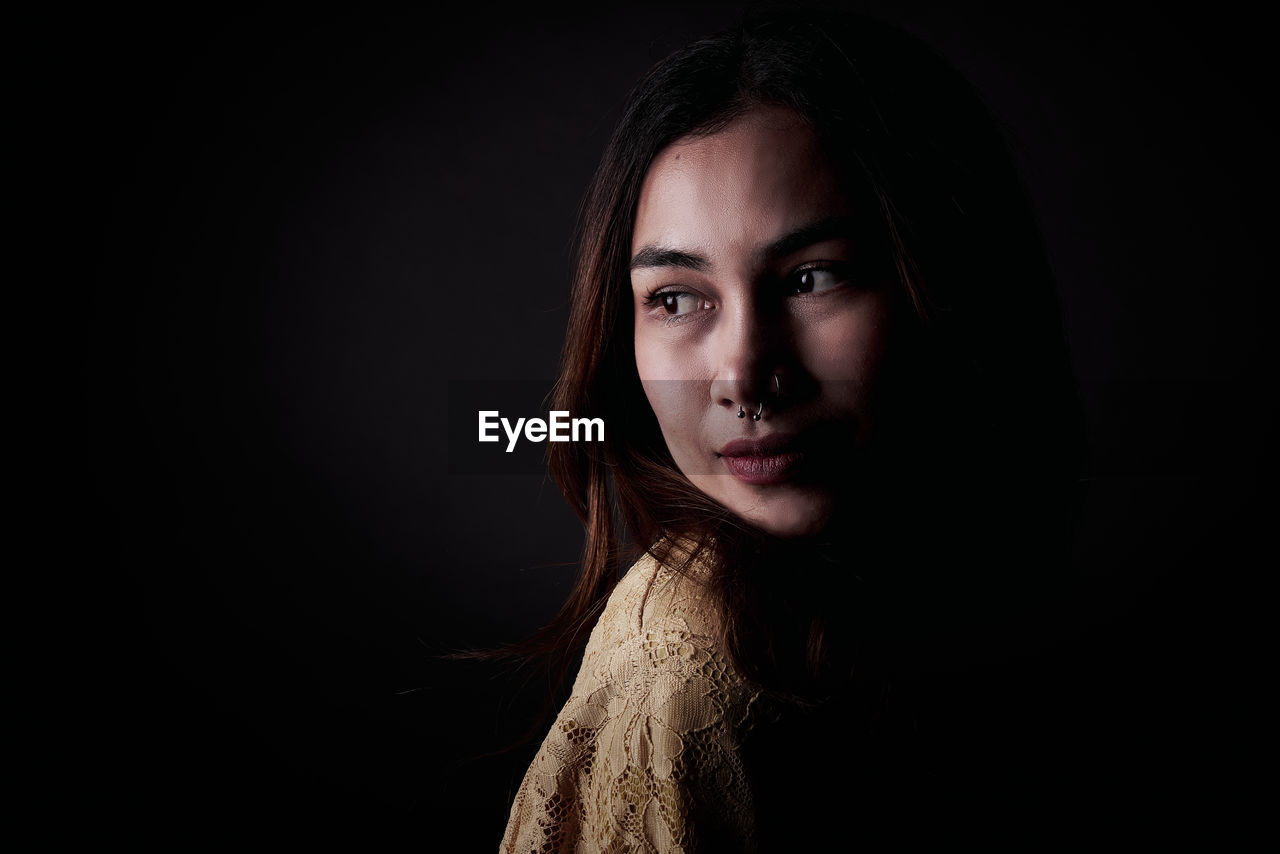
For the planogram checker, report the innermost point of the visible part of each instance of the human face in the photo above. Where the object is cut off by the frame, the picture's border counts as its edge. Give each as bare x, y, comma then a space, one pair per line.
754, 284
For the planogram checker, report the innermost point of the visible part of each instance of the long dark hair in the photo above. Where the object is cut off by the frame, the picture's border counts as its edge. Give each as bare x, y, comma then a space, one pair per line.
986, 424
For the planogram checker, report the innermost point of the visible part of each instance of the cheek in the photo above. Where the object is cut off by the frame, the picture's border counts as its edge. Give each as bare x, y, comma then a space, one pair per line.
676, 405
649, 361
849, 347
677, 399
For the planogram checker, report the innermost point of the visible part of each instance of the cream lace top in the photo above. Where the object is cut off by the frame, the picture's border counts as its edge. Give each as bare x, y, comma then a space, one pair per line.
645, 756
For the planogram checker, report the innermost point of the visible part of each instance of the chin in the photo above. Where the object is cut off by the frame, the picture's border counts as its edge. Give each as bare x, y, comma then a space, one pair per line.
788, 516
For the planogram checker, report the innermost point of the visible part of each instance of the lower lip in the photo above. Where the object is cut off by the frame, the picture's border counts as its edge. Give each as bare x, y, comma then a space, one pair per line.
763, 471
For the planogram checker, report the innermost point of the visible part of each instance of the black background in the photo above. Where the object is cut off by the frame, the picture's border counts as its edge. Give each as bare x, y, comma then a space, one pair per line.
302, 229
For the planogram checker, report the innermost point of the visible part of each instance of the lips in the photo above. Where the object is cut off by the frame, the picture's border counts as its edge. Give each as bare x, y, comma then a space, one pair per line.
768, 460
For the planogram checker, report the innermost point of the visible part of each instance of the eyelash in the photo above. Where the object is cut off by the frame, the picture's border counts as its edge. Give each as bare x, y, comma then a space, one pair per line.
653, 299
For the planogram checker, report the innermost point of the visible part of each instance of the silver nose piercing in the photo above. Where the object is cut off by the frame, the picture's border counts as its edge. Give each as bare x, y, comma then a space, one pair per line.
742, 413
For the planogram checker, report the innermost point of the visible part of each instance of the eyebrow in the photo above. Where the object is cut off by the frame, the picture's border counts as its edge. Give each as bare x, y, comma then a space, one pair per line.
793, 241
656, 256
806, 235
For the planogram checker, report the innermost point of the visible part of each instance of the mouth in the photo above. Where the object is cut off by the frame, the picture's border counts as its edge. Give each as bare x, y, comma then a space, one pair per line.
765, 461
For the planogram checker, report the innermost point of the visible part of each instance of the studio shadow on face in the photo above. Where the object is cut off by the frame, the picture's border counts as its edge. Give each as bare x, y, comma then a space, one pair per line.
761, 318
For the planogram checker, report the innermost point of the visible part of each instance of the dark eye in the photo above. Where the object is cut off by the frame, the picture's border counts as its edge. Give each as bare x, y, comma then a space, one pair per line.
675, 303
815, 280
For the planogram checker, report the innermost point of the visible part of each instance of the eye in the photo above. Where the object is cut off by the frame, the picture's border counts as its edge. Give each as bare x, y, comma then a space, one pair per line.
676, 303
814, 280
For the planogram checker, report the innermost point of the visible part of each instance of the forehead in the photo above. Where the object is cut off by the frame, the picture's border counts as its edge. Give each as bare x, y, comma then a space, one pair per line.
762, 175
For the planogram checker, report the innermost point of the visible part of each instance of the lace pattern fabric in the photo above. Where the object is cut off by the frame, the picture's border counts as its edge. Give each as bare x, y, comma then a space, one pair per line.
645, 755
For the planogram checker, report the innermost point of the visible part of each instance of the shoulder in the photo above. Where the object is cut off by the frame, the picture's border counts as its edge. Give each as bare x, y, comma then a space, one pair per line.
649, 737
660, 622
653, 597
655, 663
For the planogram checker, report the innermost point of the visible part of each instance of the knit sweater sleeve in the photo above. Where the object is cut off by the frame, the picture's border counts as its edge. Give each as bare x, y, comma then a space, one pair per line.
645, 755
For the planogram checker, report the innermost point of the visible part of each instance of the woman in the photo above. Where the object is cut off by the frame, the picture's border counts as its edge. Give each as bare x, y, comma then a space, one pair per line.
813, 311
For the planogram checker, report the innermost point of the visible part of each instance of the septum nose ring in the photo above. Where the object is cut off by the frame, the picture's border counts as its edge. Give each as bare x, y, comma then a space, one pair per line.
759, 412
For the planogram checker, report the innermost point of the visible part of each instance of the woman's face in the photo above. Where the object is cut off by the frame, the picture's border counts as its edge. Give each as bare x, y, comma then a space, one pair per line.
755, 290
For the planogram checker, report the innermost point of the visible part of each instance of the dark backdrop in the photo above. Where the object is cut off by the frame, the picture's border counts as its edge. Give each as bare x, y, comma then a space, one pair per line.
304, 229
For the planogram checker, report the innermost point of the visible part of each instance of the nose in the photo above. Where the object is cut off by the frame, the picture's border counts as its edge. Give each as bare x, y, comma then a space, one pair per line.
748, 351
